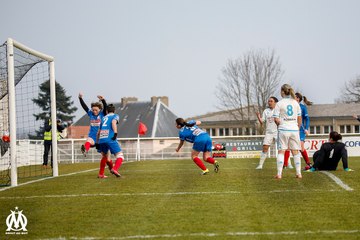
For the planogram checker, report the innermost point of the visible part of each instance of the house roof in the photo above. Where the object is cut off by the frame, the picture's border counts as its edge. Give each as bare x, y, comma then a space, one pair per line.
339, 110
158, 118
334, 110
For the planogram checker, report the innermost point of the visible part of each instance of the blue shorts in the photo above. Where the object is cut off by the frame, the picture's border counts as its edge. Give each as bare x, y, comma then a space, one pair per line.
302, 136
92, 136
203, 143
113, 146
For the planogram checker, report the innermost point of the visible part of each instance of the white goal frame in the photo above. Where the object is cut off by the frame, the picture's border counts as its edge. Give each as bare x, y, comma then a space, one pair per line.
12, 105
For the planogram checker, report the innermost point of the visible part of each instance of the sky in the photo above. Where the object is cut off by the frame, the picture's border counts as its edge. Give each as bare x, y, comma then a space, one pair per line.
177, 48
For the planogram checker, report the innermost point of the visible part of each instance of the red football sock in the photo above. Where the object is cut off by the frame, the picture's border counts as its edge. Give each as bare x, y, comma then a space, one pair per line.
87, 146
118, 163
110, 164
305, 156
286, 158
102, 165
200, 164
210, 160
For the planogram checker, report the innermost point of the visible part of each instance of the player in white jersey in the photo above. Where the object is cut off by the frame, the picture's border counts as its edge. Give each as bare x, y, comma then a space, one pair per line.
271, 131
287, 114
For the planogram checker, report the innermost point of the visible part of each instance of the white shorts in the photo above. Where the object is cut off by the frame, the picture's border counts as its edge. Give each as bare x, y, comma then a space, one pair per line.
270, 138
289, 140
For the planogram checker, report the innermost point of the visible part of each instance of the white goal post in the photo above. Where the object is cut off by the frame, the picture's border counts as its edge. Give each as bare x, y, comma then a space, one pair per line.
12, 105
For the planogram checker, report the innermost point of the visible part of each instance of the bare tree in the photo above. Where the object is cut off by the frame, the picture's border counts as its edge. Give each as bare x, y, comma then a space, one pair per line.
350, 91
247, 82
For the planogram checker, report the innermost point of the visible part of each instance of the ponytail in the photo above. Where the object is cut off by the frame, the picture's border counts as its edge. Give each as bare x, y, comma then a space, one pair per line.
288, 91
307, 102
335, 136
303, 98
181, 122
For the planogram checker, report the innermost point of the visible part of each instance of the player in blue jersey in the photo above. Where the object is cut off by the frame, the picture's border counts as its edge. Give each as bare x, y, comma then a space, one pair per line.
106, 141
96, 113
304, 130
190, 132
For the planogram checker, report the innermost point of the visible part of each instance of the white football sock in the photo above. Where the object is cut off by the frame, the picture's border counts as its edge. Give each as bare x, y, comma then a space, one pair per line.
280, 163
297, 162
262, 158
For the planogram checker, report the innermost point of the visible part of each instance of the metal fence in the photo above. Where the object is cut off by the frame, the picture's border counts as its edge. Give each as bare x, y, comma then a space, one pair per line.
30, 152
150, 149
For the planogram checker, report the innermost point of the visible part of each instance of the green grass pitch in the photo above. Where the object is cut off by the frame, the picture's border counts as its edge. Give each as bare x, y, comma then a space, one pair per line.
171, 200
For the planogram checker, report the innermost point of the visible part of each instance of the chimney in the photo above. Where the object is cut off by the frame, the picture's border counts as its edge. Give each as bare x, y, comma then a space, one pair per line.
126, 100
163, 99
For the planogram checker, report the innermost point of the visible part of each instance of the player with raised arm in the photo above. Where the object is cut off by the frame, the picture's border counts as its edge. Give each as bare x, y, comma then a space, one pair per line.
107, 141
304, 130
271, 131
96, 113
190, 132
287, 114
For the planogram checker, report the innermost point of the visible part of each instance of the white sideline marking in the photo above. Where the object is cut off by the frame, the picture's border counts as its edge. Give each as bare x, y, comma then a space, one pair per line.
338, 181
64, 175
202, 234
42, 179
158, 194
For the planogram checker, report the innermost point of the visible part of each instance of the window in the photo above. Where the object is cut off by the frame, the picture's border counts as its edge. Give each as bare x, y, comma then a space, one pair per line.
357, 129
348, 128
345, 129
342, 129
237, 131
227, 132
315, 129
327, 129
213, 132
312, 130
221, 132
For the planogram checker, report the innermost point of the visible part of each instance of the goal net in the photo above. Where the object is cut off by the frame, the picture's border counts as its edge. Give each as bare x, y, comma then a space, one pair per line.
22, 72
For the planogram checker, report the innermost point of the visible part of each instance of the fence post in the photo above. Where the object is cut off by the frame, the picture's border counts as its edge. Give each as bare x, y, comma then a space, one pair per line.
72, 151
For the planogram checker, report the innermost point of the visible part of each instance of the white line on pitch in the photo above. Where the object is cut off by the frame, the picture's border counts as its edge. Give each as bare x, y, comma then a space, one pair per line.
158, 194
46, 178
202, 234
337, 181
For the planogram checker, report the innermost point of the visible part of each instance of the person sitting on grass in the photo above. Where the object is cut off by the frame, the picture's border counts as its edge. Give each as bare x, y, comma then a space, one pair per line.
330, 153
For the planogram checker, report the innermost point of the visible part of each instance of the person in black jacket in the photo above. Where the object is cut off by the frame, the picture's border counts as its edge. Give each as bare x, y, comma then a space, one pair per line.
330, 153
48, 140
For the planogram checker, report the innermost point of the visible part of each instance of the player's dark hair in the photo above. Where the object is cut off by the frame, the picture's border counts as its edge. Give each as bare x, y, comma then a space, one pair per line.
181, 122
288, 91
274, 98
303, 98
335, 136
97, 104
110, 108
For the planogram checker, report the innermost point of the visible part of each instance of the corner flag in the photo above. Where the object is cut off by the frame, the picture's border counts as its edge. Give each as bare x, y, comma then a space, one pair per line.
142, 129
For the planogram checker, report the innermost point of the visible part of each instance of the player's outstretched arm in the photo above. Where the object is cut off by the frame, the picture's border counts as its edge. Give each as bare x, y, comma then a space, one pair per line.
102, 99
180, 145
83, 104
